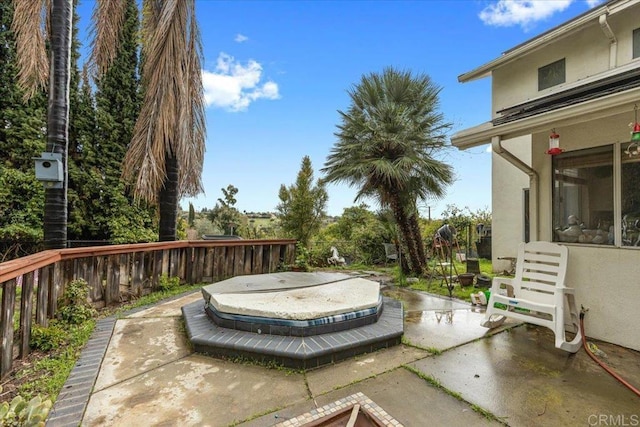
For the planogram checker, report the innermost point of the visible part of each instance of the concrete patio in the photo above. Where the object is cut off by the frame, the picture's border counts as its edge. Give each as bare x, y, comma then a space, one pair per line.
140, 370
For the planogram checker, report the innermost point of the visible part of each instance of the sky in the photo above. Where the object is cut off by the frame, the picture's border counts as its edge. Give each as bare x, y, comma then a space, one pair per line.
276, 73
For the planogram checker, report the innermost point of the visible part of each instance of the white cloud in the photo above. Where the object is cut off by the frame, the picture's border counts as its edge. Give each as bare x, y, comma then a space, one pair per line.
234, 86
241, 38
506, 13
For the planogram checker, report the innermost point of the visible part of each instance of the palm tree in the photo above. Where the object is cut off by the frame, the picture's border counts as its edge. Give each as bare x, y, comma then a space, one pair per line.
164, 160
34, 69
385, 148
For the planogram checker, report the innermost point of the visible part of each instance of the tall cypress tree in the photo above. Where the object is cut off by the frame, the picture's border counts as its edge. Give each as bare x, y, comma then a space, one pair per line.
82, 127
22, 137
84, 188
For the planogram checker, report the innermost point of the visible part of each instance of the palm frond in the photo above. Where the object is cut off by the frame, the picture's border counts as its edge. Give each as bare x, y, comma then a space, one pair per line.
171, 121
108, 18
28, 26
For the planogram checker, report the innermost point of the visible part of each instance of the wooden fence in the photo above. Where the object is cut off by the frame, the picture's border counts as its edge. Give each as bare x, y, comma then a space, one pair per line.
32, 285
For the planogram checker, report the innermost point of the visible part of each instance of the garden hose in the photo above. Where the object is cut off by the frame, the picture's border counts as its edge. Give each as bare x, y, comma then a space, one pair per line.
598, 361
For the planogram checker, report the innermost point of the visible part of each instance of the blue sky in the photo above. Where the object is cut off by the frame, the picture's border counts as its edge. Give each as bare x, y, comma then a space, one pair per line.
276, 73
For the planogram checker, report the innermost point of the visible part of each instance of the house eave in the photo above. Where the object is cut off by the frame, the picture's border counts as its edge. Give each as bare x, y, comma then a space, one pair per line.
570, 115
546, 38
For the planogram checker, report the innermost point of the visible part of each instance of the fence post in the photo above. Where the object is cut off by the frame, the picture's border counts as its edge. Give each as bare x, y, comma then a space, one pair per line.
6, 326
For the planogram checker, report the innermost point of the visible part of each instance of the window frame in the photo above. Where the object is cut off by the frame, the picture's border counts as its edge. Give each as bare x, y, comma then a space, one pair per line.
617, 164
635, 43
547, 70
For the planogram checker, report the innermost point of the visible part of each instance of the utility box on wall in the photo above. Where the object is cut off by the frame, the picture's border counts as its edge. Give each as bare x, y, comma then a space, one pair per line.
49, 169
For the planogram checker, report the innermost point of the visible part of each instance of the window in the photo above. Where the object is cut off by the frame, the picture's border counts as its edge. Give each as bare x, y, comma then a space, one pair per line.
583, 196
630, 194
551, 75
636, 43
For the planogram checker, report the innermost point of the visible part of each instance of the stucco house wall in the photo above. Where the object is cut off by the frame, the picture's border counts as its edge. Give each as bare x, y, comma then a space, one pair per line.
606, 278
507, 200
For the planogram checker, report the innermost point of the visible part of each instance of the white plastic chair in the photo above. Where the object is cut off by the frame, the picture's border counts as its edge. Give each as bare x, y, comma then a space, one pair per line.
390, 252
537, 294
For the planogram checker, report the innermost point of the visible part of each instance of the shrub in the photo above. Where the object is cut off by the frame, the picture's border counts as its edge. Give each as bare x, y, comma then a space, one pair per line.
47, 338
75, 307
167, 283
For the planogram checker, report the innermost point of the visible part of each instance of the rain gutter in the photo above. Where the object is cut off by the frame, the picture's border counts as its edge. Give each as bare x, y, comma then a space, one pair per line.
496, 146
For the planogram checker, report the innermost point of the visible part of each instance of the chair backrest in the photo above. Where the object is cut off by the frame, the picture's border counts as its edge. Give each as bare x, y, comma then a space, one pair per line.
540, 271
390, 251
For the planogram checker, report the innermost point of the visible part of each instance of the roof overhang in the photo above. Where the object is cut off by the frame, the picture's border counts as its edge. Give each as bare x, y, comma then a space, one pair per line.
591, 16
586, 111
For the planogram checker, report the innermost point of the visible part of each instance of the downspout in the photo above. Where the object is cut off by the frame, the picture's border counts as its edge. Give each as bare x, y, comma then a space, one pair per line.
613, 42
496, 146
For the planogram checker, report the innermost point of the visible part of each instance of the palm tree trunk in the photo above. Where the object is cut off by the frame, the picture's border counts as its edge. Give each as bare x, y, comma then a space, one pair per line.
415, 266
417, 236
55, 203
168, 201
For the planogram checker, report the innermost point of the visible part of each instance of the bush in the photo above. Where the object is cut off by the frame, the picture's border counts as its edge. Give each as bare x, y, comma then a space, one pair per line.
166, 283
47, 338
75, 307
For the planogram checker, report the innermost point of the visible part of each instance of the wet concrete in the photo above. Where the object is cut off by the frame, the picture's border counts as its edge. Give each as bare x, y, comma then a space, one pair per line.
437, 323
521, 378
139, 346
195, 391
324, 380
407, 398
516, 374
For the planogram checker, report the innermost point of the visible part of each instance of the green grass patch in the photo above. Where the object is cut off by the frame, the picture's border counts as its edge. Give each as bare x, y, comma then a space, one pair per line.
434, 284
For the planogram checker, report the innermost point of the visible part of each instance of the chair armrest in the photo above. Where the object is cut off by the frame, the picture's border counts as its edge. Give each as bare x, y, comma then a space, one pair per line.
500, 283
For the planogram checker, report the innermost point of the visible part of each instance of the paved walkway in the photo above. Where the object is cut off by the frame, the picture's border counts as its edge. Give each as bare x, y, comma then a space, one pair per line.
139, 370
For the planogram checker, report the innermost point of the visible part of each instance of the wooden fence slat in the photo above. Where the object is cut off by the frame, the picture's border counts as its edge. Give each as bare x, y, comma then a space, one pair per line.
290, 254
228, 263
248, 260
68, 273
199, 264
6, 327
238, 261
157, 269
112, 290
218, 264
149, 268
274, 258
257, 259
207, 272
137, 274
266, 257
42, 304
182, 270
100, 277
174, 263
166, 256
56, 288
26, 307
125, 276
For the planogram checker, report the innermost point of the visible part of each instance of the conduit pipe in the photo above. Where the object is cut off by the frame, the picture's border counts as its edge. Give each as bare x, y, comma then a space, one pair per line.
496, 146
613, 42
